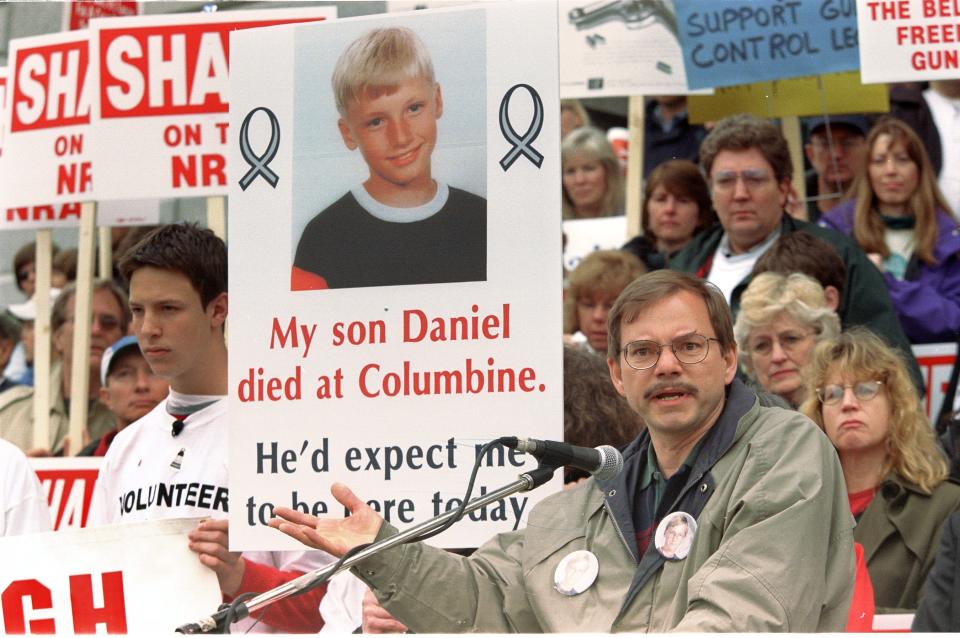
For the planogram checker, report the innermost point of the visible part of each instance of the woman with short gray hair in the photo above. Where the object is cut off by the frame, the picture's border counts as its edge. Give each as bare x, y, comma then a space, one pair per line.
781, 319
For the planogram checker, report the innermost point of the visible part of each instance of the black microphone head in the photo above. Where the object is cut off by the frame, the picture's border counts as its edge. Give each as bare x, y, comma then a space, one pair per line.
178, 426
612, 463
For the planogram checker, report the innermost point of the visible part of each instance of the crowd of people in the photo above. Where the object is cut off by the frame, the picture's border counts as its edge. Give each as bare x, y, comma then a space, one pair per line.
749, 353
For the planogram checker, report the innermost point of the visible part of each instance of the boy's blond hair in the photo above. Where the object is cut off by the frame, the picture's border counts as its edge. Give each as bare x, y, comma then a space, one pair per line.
379, 58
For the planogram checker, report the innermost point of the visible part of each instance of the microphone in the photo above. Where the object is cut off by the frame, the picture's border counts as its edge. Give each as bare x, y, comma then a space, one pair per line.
177, 427
603, 462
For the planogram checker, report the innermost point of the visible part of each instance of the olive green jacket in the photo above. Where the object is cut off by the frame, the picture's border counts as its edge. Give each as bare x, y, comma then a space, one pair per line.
900, 533
773, 550
16, 415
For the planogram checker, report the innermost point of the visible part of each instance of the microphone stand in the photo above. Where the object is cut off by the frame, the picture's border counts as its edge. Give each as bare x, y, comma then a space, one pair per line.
216, 622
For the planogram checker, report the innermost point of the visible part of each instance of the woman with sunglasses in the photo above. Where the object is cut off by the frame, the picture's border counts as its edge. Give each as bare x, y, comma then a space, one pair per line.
781, 319
901, 220
859, 393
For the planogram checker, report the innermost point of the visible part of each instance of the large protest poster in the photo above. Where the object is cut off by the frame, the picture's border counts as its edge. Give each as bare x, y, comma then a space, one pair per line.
619, 48
45, 169
163, 81
909, 40
135, 579
727, 42
352, 369
68, 485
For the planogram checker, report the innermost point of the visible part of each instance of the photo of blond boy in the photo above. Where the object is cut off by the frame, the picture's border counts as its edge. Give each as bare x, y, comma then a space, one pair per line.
401, 225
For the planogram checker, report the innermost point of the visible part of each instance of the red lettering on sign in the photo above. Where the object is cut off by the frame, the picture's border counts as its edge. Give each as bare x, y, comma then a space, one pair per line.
14, 619
86, 616
168, 70
43, 213
50, 88
212, 170
74, 178
69, 492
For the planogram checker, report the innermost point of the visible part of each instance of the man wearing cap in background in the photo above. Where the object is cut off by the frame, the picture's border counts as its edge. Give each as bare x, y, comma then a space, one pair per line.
835, 150
128, 387
110, 317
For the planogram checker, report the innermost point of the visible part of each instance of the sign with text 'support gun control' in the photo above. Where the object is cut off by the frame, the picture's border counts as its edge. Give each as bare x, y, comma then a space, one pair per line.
727, 42
162, 85
394, 263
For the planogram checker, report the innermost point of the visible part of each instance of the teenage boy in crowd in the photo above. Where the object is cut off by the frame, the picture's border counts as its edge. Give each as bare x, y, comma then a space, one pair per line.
401, 226
178, 297
128, 387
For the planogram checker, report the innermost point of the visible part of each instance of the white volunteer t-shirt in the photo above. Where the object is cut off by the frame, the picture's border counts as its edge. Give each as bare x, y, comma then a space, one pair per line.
23, 506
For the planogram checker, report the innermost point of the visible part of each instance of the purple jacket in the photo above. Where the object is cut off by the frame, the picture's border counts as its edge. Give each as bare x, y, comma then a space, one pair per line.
927, 300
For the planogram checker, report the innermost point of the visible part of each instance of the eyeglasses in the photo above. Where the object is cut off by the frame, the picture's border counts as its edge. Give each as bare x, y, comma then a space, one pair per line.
862, 390
689, 349
753, 178
107, 322
789, 342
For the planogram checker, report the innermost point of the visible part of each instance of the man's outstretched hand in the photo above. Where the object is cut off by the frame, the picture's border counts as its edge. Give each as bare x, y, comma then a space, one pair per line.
333, 535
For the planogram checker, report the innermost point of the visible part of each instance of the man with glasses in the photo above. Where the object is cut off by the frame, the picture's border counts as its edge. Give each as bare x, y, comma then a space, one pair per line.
835, 151
110, 317
772, 548
747, 164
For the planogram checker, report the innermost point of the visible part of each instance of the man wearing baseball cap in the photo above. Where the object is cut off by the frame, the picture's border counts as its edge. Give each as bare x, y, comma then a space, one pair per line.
835, 150
128, 387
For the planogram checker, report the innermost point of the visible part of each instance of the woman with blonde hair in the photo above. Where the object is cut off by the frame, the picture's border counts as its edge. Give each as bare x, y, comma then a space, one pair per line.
901, 220
593, 286
859, 393
592, 182
781, 318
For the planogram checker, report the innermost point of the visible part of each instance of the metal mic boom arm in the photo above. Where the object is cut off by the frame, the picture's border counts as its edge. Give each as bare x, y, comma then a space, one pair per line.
214, 624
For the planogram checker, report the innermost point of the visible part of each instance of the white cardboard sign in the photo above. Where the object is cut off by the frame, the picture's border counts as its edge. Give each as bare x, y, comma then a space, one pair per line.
391, 377
908, 40
163, 90
134, 579
619, 48
46, 168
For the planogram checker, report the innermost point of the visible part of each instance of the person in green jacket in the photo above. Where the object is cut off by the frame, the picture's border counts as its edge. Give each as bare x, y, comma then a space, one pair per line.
769, 542
895, 473
747, 164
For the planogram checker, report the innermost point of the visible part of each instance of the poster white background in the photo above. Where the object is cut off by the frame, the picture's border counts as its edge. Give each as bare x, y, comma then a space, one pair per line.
618, 59
178, 153
46, 150
523, 259
587, 235
164, 585
908, 40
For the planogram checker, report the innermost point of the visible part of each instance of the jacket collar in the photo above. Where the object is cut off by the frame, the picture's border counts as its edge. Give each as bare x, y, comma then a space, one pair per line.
892, 511
620, 490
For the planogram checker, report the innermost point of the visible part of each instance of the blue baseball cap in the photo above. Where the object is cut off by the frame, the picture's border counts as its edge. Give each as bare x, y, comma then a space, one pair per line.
110, 354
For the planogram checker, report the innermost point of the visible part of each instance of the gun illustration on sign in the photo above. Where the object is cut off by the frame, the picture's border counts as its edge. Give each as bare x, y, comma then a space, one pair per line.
636, 14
